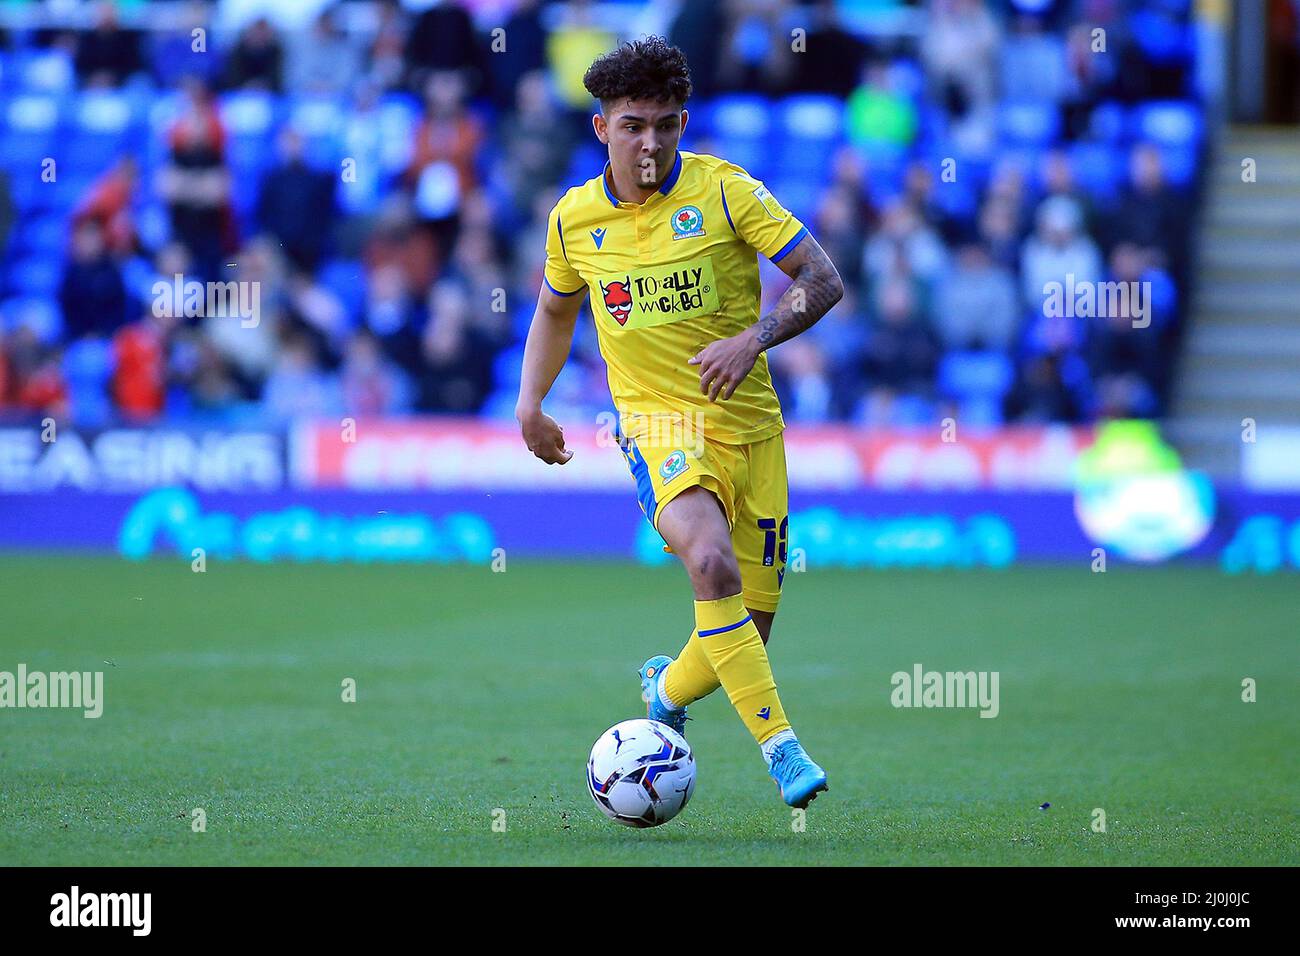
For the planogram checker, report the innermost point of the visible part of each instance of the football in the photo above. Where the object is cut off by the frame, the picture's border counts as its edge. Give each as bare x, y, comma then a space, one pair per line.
641, 773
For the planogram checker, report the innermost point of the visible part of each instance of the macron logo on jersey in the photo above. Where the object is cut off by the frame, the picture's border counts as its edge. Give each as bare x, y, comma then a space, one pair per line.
598, 236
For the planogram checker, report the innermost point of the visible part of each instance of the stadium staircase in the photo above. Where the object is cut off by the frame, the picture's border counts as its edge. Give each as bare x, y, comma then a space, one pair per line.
1241, 355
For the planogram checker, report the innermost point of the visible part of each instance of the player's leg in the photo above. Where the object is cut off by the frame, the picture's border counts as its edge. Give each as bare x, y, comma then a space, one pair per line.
692, 675
730, 471
759, 537
696, 529
661, 474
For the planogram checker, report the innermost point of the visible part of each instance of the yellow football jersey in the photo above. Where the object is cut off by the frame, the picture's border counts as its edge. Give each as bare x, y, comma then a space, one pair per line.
669, 276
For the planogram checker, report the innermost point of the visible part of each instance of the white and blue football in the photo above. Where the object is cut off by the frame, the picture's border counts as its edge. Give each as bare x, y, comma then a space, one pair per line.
641, 773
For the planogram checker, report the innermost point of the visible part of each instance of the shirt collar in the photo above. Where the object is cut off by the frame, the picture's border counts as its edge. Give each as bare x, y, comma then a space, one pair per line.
666, 188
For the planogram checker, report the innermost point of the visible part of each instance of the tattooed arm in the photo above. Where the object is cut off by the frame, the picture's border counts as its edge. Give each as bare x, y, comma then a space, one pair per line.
816, 287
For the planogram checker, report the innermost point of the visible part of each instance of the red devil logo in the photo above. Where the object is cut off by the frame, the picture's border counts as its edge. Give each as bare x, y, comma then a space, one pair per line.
618, 299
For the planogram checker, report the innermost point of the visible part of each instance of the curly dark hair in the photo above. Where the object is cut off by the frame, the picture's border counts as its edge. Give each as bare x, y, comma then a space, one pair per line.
649, 69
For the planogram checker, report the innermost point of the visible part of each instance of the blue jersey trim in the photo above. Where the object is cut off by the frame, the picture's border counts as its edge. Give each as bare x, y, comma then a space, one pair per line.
559, 230
666, 188
729, 627
671, 181
724, 206
557, 291
645, 488
613, 200
785, 250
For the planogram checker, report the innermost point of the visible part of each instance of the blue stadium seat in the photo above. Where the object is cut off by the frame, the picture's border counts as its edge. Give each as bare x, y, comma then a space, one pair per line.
509, 364
884, 173
74, 184
1031, 124
799, 195
1108, 122
1173, 123
741, 116
29, 130
1098, 169
699, 124
29, 193
34, 112
975, 375
500, 405
399, 115
586, 161
320, 122
807, 160
811, 126
957, 199
1161, 36
981, 412
42, 236
100, 126
35, 276
41, 314
908, 78
40, 70
1180, 164
931, 129
102, 111
22, 152
347, 280
90, 153
912, 411
754, 156
249, 113
812, 118
87, 367
742, 126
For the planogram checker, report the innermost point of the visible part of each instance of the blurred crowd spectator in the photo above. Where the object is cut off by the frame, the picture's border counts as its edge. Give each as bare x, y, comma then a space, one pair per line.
384, 175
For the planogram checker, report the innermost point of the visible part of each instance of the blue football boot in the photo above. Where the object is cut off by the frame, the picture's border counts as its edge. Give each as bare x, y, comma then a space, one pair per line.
651, 674
798, 778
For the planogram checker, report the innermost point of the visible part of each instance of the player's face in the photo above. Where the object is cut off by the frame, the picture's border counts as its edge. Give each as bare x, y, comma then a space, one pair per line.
642, 136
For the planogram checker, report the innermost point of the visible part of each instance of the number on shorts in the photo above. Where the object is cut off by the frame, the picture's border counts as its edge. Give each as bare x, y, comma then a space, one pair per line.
773, 539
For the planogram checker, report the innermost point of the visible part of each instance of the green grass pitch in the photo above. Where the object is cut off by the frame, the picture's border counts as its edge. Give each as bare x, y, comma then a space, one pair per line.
479, 690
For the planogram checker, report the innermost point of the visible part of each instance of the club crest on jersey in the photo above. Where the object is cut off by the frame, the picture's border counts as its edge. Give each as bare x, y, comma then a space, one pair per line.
673, 466
618, 299
687, 222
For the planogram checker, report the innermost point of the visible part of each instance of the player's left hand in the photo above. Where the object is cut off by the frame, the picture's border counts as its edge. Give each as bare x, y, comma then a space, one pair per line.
724, 364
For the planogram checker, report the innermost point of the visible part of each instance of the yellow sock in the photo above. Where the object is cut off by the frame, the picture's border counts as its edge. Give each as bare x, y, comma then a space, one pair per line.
690, 676
731, 640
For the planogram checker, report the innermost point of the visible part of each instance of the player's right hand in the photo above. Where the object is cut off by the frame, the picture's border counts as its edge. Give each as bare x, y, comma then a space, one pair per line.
544, 437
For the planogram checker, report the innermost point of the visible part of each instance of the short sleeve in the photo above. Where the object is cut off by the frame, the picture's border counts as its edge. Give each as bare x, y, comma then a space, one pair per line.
559, 276
756, 216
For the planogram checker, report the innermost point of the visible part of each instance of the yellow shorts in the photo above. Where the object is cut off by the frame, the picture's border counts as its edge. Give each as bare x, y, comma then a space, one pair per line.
749, 481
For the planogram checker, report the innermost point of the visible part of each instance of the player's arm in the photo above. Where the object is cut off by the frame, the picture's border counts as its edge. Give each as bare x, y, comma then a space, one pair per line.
550, 336
816, 287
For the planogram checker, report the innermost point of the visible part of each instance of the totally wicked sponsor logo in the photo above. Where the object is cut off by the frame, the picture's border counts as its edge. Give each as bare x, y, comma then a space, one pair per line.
658, 295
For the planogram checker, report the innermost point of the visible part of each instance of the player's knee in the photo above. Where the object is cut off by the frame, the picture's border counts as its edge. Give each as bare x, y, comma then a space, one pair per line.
713, 571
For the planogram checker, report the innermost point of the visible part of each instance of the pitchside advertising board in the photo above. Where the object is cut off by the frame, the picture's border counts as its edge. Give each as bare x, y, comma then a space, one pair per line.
439, 490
